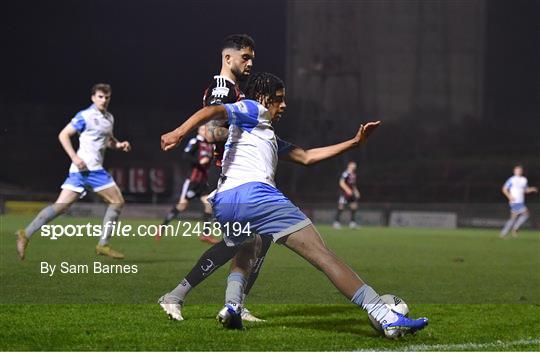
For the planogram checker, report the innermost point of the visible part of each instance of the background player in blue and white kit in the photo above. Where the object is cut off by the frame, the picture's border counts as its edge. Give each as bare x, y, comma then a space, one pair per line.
94, 125
515, 189
349, 195
247, 194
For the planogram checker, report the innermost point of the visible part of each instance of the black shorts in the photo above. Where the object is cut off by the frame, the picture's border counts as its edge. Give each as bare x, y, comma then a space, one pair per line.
345, 200
191, 189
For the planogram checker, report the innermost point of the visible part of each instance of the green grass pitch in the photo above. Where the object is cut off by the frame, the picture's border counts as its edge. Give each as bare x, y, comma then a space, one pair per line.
479, 292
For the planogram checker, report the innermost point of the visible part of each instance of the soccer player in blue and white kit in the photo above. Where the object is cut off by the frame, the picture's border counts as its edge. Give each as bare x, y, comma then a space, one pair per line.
94, 126
515, 189
247, 194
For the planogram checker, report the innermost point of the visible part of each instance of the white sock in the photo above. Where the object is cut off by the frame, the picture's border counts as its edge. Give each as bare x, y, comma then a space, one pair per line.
522, 218
111, 216
507, 226
44, 216
370, 301
235, 288
178, 294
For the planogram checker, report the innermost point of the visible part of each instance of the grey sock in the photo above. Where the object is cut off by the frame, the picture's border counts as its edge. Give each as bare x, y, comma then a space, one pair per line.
507, 226
44, 216
369, 300
111, 215
178, 294
522, 218
235, 288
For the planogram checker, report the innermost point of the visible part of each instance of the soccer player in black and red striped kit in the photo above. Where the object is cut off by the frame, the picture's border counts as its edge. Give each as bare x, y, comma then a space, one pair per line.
199, 154
349, 195
238, 53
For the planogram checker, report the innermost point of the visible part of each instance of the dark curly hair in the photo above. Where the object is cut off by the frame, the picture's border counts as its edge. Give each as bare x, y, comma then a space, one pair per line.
263, 84
238, 41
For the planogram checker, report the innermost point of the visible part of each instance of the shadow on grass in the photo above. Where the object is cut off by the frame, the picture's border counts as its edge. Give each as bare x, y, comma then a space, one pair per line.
332, 325
319, 317
312, 310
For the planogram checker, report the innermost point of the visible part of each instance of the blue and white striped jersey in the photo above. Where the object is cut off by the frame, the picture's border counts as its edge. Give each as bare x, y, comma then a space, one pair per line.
252, 149
95, 129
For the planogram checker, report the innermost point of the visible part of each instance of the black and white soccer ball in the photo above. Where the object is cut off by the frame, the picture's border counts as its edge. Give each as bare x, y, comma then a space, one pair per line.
395, 304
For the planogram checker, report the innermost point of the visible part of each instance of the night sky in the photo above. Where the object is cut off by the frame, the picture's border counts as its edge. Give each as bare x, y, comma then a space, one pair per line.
159, 57
154, 53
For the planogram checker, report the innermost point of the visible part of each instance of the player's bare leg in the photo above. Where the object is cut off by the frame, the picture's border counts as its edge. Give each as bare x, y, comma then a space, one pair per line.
252, 277
61, 205
231, 314
115, 200
308, 243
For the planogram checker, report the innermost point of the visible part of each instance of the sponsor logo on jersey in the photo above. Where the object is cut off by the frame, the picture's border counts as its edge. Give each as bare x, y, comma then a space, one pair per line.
220, 92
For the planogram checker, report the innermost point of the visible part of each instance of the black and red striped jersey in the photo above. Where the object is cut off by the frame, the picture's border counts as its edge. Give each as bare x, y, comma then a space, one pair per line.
196, 149
222, 90
349, 178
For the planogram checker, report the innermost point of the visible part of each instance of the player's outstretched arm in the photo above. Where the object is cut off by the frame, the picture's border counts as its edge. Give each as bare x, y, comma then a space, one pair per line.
171, 139
216, 131
114, 144
65, 139
531, 189
315, 155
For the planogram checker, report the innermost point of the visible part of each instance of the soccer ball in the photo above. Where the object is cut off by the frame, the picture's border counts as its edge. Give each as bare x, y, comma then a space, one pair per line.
396, 304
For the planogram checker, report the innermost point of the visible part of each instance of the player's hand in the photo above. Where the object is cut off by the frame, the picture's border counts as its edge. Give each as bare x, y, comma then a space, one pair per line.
124, 146
357, 194
170, 140
79, 163
533, 189
365, 130
204, 160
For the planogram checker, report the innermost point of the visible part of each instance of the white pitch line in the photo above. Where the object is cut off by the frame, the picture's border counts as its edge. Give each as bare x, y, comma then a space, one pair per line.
467, 346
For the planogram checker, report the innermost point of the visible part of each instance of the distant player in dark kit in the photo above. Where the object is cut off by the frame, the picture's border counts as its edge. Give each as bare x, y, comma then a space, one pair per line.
349, 195
199, 153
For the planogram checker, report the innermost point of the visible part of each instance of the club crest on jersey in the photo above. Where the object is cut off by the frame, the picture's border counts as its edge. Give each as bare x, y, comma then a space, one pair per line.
242, 107
220, 92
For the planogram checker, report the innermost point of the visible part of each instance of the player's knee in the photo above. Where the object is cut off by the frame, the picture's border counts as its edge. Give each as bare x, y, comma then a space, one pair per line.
61, 208
119, 202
